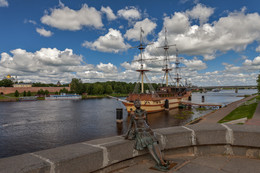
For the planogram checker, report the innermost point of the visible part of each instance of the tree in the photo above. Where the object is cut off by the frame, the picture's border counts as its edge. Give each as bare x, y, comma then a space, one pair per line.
108, 89
6, 83
24, 93
258, 83
76, 86
98, 89
46, 92
40, 92
29, 93
16, 94
64, 90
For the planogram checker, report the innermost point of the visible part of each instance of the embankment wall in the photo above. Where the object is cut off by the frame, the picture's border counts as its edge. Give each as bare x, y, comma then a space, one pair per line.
8, 90
104, 155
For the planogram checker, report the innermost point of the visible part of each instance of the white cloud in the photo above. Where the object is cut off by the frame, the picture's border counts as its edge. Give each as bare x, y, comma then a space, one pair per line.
3, 3
30, 21
177, 23
129, 13
252, 64
134, 34
44, 32
231, 68
209, 38
200, 12
195, 64
109, 12
65, 18
107, 68
257, 49
111, 42
45, 65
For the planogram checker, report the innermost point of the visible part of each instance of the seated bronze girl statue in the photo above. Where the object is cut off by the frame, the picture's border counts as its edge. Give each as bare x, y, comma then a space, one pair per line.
144, 137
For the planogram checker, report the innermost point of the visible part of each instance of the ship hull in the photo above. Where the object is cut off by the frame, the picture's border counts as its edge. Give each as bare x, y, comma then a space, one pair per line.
156, 106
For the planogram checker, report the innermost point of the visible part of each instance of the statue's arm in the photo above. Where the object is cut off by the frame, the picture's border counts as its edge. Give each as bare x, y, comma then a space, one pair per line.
130, 126
146, 117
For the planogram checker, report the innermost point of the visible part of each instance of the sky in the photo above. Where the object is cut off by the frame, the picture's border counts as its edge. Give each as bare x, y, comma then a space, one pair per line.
218, 42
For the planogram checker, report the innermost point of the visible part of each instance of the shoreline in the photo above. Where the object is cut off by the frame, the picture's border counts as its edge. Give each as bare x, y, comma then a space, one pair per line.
16, 99
219, 113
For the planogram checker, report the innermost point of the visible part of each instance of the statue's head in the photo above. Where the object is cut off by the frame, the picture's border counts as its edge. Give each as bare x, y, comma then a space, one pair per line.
137, 104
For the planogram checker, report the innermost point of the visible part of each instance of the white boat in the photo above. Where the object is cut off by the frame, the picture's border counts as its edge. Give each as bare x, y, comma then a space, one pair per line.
64, 97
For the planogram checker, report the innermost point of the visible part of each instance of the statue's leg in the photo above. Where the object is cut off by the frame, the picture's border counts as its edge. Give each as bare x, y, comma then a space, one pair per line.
159, 153
154, 155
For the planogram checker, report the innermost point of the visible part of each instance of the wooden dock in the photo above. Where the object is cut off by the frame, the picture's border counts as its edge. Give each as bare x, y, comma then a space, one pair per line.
201, 104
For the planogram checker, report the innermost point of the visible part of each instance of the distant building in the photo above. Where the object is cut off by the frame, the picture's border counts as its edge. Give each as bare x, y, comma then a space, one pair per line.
19, 85
58, 83
10, 78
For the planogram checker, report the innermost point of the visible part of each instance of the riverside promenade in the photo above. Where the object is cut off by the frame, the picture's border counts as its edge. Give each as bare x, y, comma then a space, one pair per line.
211, 163
200, 148
217, 115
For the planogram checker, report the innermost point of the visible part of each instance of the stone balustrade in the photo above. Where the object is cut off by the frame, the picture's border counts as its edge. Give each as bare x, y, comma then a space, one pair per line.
106, 154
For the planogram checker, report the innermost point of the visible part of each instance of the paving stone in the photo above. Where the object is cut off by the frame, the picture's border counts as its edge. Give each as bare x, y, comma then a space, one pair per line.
196, 168
242, 165
216, 162
142, 167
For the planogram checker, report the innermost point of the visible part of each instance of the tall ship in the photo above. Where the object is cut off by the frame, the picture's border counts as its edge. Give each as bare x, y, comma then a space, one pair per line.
166, 97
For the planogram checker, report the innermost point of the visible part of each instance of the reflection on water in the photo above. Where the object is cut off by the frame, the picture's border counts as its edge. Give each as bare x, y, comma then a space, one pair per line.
32, 126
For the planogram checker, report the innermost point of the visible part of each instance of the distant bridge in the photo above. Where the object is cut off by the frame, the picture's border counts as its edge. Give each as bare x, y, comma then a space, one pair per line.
224, 87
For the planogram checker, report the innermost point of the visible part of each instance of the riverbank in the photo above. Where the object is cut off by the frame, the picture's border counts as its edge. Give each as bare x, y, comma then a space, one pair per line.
103, 96
244, 111
219, 114
11, 98
7, 99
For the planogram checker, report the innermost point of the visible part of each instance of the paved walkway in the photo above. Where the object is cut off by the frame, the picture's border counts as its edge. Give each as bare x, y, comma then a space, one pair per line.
214, 117
256, 117
202, 164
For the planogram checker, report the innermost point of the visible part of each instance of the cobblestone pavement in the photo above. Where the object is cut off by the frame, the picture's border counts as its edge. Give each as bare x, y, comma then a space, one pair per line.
202, 164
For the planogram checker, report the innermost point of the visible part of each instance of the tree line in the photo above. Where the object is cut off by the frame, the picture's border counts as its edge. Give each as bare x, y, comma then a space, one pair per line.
109, 87
9, 83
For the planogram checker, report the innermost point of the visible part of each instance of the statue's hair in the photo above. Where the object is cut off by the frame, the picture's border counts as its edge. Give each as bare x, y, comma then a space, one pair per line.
137, 101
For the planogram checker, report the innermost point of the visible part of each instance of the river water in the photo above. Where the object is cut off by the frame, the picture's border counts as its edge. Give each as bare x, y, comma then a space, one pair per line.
32, 126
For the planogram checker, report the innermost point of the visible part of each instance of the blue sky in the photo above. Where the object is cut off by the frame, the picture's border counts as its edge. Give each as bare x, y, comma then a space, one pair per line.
50, 41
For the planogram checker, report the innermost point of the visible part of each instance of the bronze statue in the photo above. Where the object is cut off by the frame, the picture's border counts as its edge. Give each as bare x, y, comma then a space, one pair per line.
144, 137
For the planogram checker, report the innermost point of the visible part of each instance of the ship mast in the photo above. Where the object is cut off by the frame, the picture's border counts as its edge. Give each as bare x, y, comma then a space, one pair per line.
166, 59
177, 69
141, 47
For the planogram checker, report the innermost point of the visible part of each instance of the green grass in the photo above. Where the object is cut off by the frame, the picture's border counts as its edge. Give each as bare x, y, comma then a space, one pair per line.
2, 97
244, 111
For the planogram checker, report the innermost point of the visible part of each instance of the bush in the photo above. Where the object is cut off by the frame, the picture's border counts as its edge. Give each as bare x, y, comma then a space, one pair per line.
40, 92
16, 94
46, 92
24, 93
29, 93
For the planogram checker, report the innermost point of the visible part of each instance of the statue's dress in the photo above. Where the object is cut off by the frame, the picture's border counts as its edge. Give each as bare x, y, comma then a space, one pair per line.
140, 131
